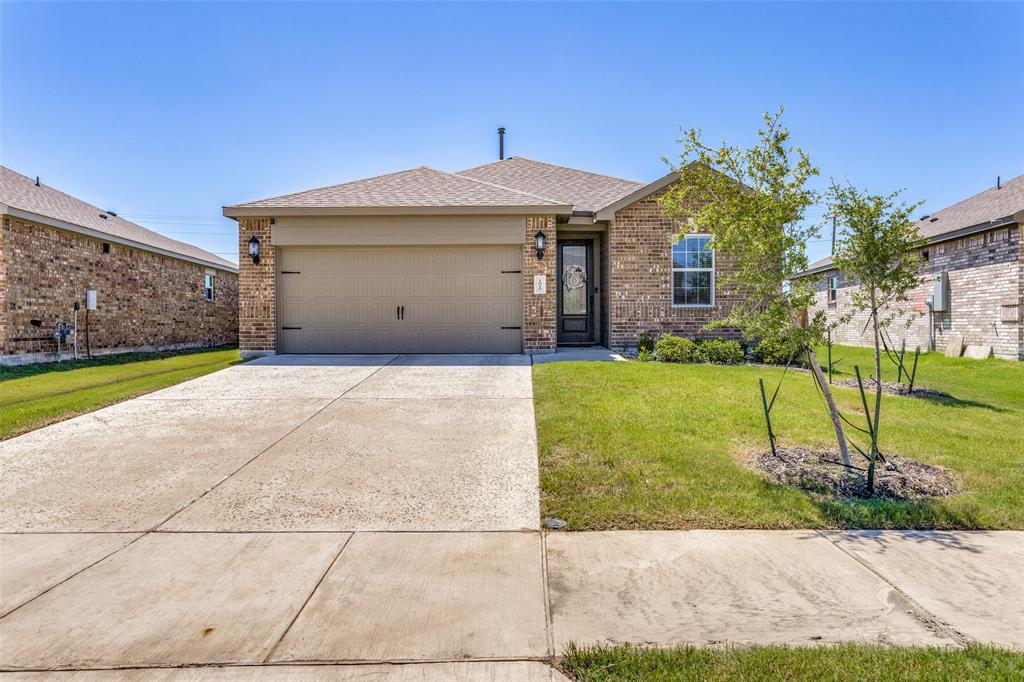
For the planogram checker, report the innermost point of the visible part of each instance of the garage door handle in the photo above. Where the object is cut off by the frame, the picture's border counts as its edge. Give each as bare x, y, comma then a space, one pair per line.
403, 312
398, 312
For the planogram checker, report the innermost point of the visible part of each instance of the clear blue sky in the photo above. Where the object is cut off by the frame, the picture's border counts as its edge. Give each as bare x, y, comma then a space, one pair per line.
166, 112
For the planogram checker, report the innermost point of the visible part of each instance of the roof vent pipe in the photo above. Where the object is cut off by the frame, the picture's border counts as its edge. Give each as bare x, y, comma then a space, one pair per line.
999, 182
37, 181
501, 144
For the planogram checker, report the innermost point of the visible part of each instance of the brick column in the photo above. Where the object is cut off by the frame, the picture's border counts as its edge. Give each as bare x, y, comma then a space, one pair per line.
539, 324
257, 290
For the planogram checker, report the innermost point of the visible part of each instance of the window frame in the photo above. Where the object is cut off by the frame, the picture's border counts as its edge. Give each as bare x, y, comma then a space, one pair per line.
833, 288
674, 270
209, 292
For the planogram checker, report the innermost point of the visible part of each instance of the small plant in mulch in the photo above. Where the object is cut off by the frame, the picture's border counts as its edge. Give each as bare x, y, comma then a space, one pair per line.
822, 472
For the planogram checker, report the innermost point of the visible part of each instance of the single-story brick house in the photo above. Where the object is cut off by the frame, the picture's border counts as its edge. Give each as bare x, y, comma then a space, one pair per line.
972, 285
150, 292
511, 256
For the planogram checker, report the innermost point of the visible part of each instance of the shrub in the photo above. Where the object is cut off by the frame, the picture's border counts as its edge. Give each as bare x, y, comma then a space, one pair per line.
773, 351
674, 349
645, 356
645, 343
719, 352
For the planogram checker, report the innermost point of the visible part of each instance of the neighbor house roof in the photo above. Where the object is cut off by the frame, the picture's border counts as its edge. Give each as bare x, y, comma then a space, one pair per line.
21, 197
995, 207
585, 191
416, 190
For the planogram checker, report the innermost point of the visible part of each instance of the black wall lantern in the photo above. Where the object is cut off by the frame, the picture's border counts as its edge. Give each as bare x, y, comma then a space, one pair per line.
254, 249
539, 237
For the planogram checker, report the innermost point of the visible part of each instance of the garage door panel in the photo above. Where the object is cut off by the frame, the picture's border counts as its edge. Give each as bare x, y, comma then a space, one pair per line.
344, 299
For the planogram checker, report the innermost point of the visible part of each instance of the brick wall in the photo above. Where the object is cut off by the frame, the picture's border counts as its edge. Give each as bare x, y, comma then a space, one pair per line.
640, 280
539, 324
257, 317
986, 285
145, 300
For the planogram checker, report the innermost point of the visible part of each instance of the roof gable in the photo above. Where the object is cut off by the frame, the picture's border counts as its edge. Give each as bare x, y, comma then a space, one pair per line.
584, 190
21, 193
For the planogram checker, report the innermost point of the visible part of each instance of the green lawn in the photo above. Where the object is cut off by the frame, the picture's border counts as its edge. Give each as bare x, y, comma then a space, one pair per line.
652, 445
36, 395
841, 662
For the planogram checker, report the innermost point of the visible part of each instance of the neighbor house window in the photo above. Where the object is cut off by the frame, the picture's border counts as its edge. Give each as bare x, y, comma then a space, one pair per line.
833, 286
208, 287
693, 271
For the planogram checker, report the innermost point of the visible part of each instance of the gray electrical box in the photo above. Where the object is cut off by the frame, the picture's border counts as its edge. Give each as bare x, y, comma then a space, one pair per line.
940, 292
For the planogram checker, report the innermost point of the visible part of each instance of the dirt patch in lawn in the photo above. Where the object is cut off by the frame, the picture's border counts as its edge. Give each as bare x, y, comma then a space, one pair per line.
821, 471
892, 388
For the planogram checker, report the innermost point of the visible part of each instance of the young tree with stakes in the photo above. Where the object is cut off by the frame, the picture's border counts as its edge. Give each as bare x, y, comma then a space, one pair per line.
753, 202
877, 254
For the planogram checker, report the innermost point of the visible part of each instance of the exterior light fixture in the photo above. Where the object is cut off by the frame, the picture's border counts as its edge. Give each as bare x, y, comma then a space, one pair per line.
254, 249
539, 238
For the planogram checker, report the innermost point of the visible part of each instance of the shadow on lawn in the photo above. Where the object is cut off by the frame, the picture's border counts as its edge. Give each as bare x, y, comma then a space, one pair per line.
947, 400
923, 520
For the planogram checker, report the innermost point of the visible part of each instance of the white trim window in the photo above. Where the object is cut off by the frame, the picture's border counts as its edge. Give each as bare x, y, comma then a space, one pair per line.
833, 288
208, 286
693, 272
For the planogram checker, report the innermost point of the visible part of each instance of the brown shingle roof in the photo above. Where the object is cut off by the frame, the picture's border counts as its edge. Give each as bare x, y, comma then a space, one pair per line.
989, 208
20, 192
417, 187
583, 190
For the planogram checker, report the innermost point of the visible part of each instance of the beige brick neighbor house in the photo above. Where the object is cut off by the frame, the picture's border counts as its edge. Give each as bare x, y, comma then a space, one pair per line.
972, 280
512, 256
148, 292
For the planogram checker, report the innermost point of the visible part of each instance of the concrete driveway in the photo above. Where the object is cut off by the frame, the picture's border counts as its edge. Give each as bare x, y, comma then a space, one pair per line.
300, 443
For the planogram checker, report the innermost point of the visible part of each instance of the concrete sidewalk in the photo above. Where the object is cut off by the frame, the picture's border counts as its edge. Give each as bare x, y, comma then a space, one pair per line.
169, 599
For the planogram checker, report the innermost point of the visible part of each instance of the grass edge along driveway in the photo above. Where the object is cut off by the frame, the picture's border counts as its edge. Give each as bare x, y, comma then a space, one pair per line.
632, 445
33, 396
626, 663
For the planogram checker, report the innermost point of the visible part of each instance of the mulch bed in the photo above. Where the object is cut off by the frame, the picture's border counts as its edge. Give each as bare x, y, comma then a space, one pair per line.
819, 471
892, 388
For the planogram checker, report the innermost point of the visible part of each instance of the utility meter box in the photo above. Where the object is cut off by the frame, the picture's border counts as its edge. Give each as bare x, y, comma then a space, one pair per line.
940, 292
90, 299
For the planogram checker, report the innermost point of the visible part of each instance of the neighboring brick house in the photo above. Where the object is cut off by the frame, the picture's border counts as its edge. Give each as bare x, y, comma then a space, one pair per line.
428, 261
972, 282
152, 293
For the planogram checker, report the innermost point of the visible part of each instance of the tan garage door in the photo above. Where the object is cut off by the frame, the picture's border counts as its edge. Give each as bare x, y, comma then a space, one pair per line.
423, 299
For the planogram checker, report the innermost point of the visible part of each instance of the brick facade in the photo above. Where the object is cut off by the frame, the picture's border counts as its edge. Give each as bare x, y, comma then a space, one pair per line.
257, 283
539, 324
146, 301
639, 288
986, 286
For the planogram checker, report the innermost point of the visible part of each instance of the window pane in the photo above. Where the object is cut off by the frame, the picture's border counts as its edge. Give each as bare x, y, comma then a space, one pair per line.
574, 280
679, 254
678, 292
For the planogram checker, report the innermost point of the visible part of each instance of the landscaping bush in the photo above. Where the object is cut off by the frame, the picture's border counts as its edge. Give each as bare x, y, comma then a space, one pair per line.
645, 344
674, 349
718, 352
645, 356
774, 351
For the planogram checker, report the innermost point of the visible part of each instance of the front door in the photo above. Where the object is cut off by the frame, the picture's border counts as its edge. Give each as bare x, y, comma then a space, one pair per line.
576, 292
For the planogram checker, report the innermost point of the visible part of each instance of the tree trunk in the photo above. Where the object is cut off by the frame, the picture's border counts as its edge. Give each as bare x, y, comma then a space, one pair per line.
819, 376
878, 394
